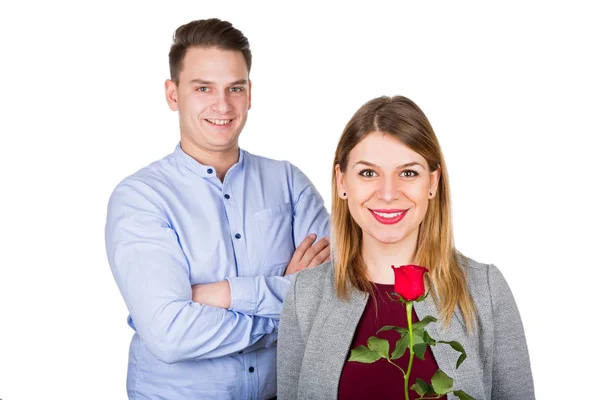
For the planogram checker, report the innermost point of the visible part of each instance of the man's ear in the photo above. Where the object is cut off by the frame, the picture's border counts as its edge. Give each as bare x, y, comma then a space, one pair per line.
171, 94
249, 94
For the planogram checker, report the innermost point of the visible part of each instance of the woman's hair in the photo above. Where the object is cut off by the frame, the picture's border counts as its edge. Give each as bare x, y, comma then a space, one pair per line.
402, 119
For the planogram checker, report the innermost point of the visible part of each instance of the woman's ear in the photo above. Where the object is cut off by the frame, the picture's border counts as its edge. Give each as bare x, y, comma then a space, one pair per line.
434, 180
340, 182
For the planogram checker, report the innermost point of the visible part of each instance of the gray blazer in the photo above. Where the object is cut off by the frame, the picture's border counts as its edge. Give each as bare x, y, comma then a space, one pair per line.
317, 328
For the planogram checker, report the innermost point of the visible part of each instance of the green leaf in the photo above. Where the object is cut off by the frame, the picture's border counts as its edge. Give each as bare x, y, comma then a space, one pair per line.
380, 346
462, 395
428, 339
441, 382
423, 323
364, 355
458, 347
401, 331
418, 336
401, 346
419, 350
422, 387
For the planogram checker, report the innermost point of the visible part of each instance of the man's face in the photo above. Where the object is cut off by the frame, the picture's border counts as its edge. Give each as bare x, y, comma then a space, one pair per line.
213, 99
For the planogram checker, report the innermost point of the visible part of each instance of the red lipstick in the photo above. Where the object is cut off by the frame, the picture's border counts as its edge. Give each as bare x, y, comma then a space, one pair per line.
388, 220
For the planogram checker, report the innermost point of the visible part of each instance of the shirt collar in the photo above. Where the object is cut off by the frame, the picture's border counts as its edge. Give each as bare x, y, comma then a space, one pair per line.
206, 171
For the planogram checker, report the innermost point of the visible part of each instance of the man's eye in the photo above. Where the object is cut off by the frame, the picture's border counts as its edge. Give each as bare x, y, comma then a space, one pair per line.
202, 89
236, 89
409, 173
367, 173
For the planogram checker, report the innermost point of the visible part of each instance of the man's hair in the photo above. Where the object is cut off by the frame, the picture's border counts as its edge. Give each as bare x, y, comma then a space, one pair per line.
206, 33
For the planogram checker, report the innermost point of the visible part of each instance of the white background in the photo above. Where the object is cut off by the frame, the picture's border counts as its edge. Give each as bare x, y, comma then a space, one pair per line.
511, 90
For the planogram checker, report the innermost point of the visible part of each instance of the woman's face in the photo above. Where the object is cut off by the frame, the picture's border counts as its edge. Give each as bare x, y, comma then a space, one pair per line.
388, 187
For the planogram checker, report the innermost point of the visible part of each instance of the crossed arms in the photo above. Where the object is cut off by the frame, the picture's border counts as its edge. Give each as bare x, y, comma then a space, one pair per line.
176, 321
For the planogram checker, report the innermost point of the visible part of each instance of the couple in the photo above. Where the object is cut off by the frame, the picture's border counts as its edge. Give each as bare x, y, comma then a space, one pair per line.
206, 244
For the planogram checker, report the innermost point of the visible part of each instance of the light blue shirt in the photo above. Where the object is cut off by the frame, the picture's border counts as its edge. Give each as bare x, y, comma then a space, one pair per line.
174, 224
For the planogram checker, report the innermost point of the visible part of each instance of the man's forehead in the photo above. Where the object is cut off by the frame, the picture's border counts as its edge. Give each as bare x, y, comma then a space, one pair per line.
214, 65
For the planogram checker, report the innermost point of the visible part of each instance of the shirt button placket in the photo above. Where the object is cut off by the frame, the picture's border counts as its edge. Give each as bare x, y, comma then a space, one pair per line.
234, 225
251, 375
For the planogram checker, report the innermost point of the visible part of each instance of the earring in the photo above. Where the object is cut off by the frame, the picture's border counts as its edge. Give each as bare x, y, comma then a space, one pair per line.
430, 194
344, 194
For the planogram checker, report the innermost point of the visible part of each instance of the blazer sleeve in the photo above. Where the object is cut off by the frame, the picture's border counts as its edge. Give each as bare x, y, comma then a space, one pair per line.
290, 348
511, 371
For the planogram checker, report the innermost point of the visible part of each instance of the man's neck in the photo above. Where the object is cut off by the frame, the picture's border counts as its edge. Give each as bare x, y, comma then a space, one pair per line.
220, 160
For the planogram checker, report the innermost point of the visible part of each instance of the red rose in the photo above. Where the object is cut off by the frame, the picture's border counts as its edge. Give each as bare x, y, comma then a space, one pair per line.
408, 281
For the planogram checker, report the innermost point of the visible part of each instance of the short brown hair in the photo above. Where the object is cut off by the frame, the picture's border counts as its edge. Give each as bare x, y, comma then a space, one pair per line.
211, 32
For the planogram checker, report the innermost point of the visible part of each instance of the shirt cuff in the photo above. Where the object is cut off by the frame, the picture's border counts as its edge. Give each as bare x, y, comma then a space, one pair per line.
272, 338
243, 294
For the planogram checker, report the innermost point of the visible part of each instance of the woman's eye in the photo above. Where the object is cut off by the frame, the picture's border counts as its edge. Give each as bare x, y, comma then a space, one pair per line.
409, 173
367, 173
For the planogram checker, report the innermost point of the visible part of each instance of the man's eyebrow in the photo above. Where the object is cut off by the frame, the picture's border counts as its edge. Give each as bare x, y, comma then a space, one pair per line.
370, 164
203, 82
239, 82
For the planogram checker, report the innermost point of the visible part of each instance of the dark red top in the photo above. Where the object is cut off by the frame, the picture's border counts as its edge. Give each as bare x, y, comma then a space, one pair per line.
382, 380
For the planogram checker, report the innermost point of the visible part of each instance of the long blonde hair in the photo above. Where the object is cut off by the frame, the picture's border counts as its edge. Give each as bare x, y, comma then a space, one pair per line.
402, 119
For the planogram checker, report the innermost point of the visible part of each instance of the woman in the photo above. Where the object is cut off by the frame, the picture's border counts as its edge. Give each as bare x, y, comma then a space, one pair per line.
391, 206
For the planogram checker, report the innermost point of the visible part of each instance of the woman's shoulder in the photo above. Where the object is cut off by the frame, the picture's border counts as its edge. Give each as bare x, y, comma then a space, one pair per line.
316, 275
478, 272
485, 281
312, 282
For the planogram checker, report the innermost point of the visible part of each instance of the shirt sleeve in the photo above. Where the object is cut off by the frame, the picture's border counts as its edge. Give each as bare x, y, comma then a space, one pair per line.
512, 378
264, 295
153, 276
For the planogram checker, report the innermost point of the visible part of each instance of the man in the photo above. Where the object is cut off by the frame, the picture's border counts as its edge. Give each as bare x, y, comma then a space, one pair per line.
199, 241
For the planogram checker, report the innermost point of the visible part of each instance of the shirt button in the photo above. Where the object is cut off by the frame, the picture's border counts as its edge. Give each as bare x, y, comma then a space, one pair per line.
251, 369
226, 196
210, 170
238, 236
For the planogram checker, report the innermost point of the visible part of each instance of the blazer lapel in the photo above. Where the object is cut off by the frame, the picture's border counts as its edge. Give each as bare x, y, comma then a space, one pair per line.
334, 330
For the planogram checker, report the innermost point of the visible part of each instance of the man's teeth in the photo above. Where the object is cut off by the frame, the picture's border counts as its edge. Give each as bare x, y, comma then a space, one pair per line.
387, 215
219, 121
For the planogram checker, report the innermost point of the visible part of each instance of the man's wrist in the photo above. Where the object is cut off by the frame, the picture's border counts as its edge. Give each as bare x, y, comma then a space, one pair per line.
217, 294
243, 294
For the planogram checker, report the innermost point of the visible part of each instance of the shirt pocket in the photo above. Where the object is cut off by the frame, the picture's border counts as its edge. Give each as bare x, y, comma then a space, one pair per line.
275, 227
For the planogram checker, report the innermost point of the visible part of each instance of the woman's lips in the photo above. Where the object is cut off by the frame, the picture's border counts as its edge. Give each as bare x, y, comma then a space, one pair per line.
388, 217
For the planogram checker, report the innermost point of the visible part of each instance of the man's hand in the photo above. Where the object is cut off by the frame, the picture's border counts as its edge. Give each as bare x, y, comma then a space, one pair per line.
217, 294
308, 255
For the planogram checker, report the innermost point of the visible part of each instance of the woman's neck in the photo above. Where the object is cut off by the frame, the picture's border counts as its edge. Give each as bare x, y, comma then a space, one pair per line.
379, 257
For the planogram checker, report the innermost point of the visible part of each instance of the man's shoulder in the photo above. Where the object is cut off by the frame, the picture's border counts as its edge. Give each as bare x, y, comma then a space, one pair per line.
282, 171
268, 163
147, 178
